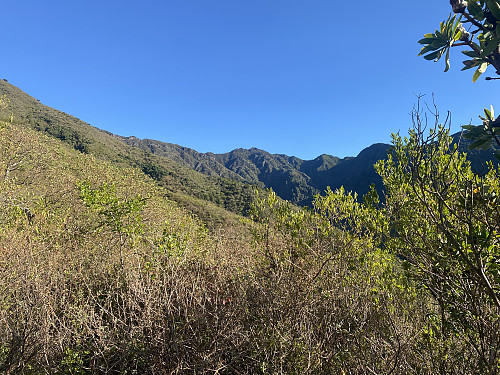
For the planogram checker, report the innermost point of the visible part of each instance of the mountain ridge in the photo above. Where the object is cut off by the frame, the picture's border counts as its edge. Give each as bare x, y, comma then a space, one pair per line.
182, 184
226, 179
290, 177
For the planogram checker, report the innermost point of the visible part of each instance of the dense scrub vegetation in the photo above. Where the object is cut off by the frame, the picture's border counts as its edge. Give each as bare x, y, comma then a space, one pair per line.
106, 269
100, 272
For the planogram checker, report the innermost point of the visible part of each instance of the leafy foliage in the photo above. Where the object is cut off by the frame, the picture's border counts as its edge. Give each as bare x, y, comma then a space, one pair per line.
484, 135
120, 215
153, 170
440, 42
445, 223
483, 42
484, 50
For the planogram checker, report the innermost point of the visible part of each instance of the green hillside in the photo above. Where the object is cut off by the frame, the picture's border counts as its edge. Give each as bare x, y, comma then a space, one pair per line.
227, 180
102, 272
290, 177
183, 184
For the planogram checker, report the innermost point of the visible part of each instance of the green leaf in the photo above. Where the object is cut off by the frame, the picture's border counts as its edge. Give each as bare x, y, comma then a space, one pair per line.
490, 47
497, 155
486, 145
427, 40
438, 43
448, 26
488, 113
479, 71
468, 127
424, 50
435, 55
447, 60
454, 33
494, 8
469, 136
471, 53
475, 45
428, 48
470, 64
476, 133
481, 144
473, 8
466, 67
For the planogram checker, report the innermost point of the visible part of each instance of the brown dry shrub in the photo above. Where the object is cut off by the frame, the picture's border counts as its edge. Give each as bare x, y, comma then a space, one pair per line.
79, 296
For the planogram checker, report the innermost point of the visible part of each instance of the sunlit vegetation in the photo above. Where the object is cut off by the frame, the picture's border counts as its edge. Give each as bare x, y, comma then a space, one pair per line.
118, 260
101, 271
180, 182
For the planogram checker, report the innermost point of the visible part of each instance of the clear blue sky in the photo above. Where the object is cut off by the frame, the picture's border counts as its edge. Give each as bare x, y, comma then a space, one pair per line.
295, 77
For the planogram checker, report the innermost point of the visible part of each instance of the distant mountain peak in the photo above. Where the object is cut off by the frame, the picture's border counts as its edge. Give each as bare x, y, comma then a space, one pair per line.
292, 178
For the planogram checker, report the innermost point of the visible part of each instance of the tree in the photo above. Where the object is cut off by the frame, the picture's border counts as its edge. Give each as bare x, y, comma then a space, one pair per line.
482, 46
121, 216
445, 224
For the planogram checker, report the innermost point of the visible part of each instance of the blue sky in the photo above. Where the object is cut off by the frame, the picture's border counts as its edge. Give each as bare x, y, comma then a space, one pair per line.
294, 77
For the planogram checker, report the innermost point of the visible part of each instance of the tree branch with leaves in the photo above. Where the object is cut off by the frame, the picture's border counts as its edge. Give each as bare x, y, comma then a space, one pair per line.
482, 36
483, 41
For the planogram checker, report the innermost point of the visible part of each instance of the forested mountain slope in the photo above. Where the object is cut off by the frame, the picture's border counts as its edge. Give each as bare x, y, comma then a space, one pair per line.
290, 177
228, 179
183, 184
224, 179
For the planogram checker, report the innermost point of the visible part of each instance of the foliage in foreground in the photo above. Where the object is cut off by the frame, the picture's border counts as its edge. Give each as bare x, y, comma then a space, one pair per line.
100, 273
445, 223
482, 46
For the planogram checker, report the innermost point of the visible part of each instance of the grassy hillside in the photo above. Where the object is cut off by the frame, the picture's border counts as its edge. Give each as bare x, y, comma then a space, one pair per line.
182, 183
102, 273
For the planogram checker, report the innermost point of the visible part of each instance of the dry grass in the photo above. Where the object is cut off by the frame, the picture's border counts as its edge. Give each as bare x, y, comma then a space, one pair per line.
78, 296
